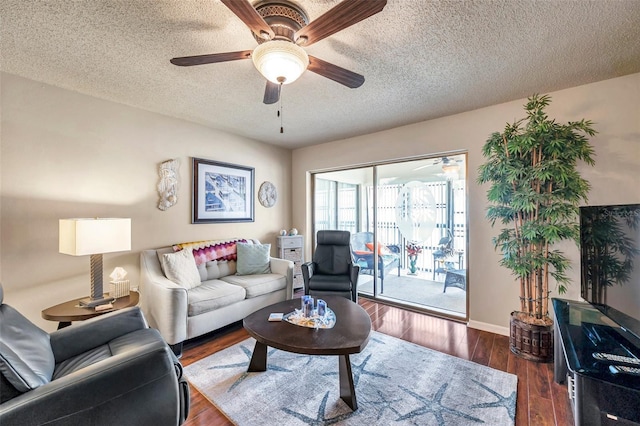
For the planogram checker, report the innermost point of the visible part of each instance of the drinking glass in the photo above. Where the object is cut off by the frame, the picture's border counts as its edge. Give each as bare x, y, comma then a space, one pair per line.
307, 307
303, 299
321, 308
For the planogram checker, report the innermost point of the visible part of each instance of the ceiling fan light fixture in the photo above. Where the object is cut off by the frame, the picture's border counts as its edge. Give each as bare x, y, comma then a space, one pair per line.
450, 170
450, 167
280, 61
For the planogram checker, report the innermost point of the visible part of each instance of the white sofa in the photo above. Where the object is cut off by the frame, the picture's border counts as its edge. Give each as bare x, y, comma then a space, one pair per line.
221, 298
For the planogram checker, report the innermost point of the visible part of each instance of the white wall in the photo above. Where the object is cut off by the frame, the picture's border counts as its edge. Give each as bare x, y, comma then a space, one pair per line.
65, 155
614, 106
68, 155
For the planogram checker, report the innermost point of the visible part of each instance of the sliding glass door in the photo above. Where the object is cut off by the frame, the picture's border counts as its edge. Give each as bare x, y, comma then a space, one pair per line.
408, 222
336, 204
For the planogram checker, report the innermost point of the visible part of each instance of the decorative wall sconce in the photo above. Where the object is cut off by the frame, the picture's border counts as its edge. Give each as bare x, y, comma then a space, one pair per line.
168, 185
267, 195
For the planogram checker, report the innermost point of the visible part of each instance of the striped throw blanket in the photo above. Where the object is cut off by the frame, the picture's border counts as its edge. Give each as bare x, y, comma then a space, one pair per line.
206, 251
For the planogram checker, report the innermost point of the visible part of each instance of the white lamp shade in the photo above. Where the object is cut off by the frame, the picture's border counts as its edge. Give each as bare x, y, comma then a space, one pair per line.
80, 237
280, 60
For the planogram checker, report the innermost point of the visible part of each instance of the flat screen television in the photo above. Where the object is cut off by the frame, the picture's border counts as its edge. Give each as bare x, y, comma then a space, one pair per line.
610, 262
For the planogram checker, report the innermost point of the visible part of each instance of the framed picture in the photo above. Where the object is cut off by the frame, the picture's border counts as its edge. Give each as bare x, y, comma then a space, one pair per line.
222, 192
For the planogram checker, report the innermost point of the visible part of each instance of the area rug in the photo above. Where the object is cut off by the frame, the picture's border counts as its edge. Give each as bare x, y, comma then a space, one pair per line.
397, 383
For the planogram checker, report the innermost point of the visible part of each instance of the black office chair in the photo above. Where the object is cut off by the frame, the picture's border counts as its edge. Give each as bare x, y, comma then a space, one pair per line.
332, 271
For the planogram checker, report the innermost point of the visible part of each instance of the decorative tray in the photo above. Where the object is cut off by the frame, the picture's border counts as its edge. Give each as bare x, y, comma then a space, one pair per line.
314, 321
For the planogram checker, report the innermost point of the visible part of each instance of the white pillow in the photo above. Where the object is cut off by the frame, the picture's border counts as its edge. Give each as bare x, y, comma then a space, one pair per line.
161, 252
253, 259
180, 267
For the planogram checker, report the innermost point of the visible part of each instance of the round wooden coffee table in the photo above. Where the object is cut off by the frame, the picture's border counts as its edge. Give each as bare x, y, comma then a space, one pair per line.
350, 335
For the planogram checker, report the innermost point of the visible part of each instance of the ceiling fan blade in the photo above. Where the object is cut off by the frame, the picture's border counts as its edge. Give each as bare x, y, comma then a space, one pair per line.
187, 61
271, 93
250, 16
343, 15
335, 73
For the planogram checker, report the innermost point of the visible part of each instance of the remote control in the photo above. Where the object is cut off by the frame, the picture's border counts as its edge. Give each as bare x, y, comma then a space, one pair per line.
104, 307
600, 356
276, 316
615, 369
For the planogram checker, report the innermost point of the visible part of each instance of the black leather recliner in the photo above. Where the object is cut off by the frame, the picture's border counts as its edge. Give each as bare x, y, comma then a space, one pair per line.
332, 271
109, 370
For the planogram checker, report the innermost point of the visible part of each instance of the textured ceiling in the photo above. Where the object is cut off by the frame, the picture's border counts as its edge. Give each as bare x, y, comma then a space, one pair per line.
421, 59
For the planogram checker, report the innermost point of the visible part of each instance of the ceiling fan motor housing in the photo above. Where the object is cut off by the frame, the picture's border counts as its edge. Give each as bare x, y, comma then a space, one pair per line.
285, 19
279, 59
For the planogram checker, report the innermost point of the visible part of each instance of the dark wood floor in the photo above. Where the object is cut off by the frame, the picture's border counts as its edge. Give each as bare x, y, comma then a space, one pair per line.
540, 401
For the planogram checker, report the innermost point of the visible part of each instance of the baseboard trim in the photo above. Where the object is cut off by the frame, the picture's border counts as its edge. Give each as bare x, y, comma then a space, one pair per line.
488, 327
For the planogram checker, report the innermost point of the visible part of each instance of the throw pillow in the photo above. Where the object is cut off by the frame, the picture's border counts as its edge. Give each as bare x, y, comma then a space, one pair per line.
253, 259
161, 252
180, 267
382, 249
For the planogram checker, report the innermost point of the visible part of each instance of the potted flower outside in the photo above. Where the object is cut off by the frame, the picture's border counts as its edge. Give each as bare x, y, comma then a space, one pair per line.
413, 250
535, 190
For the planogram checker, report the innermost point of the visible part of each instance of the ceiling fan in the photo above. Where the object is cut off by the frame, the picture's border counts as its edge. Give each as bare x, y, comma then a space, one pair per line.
448, 164
450, 167
281, 28
447, 161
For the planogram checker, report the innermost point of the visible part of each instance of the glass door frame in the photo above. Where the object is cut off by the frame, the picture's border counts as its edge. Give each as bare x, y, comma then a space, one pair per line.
375, 196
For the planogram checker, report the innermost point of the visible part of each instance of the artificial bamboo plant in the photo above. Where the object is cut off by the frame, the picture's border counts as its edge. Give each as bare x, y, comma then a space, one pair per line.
535, 190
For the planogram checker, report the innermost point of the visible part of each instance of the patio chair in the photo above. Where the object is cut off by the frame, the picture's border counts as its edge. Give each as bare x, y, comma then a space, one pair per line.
444, 250
363, 254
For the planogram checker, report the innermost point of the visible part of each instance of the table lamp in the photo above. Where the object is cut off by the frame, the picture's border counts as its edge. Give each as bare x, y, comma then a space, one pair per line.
94, 236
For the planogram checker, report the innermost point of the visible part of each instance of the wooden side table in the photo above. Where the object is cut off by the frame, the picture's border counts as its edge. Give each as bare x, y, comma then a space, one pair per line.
67, 312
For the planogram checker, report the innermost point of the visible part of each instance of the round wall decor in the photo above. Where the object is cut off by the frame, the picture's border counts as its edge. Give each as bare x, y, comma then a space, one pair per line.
267, 195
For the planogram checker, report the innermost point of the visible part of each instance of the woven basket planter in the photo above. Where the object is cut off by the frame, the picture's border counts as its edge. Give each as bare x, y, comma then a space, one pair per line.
530, 341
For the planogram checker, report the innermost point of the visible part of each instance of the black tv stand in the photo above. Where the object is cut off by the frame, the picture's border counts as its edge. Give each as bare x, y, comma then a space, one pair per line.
598, 395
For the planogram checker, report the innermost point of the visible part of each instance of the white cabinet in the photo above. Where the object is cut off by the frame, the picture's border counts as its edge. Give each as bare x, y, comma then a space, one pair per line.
291, 248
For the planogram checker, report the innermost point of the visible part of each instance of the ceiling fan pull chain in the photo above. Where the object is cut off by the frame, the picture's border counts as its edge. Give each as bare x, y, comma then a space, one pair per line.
280, 110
